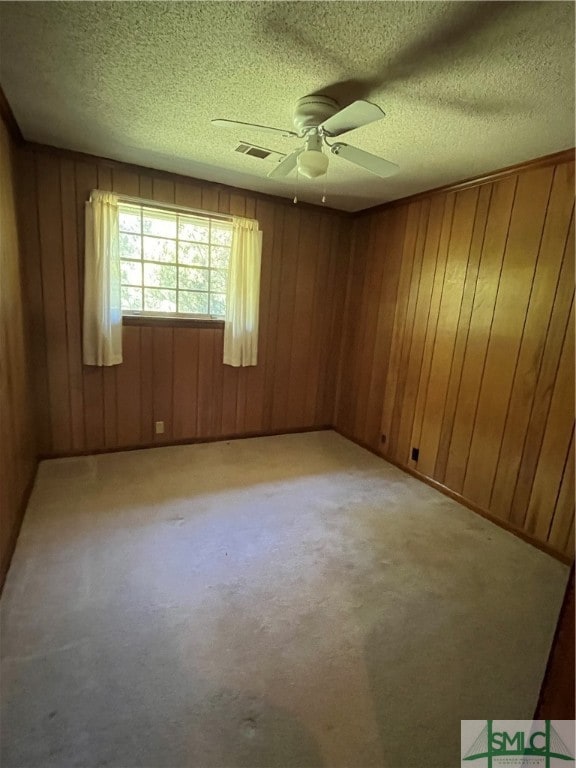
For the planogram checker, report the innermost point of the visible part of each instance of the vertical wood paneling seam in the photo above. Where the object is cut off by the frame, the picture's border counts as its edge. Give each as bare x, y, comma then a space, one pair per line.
198, 404
322, 280
294, 368
371, 331
427, 324
569, 545
80, 295
330, 391
355, 309
346, 321
40, 260
489, 335
80, 265
48, 419
538, 255
480, 253
283, 260
65, 307
385, 224
275, 266
292, 307
262, 338
325, 336
319, 318
566, 328
172, 384
426, 225
553, 515
392, 436
12, 457
154, 413
409, 349
566, 331
439, 301
140, 382
457, 324
364, 314
379, 309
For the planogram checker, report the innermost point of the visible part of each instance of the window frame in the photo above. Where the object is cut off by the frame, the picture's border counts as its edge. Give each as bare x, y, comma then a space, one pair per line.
153, 317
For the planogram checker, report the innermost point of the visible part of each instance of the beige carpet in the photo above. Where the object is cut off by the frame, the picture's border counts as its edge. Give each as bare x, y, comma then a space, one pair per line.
281, 601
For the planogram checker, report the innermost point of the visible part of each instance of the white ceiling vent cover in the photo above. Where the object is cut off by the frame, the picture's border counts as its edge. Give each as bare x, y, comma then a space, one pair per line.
261, 153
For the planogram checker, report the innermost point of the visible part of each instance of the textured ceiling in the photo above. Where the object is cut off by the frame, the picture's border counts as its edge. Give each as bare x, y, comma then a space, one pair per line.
467, 87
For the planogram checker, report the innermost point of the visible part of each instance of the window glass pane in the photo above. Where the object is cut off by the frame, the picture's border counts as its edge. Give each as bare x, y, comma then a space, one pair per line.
159, 300
156, 249
219, 257
131, 272
129, 219
218, 304
132, 299
130, 246
193, 303
193, 229
160, 224
221, 235
193, 279
159, 275
218, 280
191, 253
173, 263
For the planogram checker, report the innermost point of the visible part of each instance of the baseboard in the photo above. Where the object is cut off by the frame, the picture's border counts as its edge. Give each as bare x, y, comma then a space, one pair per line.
14, 533
185, 441
507, 526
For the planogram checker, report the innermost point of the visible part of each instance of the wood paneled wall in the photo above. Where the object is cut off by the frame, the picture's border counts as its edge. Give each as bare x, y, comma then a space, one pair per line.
445, 324
459, 341
17, 436
170, 373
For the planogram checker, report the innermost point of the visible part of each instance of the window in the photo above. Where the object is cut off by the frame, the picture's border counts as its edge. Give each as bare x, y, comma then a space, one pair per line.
173, 263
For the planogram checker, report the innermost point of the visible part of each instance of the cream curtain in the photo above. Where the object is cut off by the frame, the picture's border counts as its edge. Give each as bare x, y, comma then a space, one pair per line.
102, 305
243, 297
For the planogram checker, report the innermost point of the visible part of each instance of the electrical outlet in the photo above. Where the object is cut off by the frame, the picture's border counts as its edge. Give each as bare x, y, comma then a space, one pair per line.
159, 427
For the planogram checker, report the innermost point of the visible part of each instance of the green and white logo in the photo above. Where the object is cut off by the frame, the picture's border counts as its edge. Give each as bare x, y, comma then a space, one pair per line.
519, 743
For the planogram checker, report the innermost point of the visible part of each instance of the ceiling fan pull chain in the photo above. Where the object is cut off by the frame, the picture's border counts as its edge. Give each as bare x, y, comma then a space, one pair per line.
296, 187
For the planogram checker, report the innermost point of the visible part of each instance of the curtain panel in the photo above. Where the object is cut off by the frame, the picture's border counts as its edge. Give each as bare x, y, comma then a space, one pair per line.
102, 332
243, 296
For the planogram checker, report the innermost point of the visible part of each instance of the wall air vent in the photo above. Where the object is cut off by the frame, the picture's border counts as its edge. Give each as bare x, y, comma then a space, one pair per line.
261, 153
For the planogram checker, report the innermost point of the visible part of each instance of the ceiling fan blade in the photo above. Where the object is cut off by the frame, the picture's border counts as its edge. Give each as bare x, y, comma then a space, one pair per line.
267, 128
372, 163
357, 114
284, 167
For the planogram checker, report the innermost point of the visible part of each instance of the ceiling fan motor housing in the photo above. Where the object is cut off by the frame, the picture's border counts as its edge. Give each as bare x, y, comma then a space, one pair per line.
311, 111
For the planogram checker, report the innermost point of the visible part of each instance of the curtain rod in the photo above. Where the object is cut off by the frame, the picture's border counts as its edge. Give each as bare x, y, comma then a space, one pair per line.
173, 207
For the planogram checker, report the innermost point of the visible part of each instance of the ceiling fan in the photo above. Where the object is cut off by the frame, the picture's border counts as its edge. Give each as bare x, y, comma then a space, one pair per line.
317, 119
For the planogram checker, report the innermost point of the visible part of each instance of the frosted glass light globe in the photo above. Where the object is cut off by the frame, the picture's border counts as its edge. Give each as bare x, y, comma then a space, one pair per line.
312, 163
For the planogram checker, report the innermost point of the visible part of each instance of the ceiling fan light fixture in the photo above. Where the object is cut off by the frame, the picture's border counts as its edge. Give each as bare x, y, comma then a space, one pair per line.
312, 163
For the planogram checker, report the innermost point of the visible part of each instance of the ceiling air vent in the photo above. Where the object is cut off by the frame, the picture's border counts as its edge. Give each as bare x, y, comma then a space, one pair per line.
259, 152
